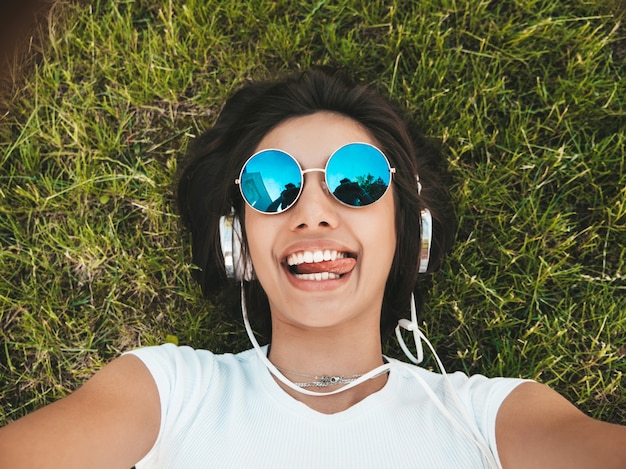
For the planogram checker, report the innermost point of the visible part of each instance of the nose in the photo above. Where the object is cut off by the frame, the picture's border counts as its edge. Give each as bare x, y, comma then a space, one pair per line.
315, 207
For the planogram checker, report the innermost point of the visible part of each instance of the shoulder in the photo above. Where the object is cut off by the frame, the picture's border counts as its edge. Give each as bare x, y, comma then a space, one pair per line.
172, 358
188, 370
180, 360
473, 390
481, 396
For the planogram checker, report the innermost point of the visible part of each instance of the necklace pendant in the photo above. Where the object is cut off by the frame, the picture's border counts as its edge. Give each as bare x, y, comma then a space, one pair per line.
326, 381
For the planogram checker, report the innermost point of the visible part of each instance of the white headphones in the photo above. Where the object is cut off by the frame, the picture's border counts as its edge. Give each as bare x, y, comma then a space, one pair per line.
426, 239
231, 241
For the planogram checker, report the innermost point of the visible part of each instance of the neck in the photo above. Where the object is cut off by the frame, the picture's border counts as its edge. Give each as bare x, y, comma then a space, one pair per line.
324, 352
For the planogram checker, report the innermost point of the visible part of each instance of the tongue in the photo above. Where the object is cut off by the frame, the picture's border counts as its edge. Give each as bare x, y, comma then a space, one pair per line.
339, 266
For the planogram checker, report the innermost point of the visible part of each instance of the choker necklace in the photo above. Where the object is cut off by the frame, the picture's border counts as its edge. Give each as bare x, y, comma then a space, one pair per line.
320, 381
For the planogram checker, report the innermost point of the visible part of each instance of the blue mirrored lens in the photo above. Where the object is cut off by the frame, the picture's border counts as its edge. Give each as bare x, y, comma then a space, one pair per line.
270, 181
358, 174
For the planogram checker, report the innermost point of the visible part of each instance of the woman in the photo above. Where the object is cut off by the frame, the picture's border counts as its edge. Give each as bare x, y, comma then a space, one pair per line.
323, 275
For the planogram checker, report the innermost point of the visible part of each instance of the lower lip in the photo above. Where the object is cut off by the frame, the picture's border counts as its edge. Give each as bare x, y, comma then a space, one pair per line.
316, 285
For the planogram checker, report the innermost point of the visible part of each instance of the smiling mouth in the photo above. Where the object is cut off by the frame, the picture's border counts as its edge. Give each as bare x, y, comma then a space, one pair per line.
320, 265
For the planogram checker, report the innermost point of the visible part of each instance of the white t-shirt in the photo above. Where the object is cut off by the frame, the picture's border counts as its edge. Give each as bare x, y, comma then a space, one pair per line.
227, 411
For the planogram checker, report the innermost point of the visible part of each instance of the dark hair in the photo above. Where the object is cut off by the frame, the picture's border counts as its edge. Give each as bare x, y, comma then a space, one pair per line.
206, 188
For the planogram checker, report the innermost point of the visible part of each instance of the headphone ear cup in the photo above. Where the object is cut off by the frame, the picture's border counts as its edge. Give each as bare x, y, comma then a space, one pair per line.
230, 242
226, 243
426, 238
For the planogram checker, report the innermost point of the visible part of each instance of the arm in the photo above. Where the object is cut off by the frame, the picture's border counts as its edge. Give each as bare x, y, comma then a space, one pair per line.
538, 428
110, 422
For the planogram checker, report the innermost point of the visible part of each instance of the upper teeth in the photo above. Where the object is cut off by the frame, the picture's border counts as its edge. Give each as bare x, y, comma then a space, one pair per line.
314, 256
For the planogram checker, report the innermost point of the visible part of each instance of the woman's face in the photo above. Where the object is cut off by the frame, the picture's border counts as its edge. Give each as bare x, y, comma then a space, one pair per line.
357, 244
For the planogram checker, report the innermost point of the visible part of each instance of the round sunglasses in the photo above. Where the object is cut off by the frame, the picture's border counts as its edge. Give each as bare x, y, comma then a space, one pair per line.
357, 174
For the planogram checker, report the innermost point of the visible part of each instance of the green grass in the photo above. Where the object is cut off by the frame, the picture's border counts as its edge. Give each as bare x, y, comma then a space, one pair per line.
527, 96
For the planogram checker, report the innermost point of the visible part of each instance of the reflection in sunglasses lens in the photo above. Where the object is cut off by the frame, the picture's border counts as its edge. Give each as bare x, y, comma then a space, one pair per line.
358, 174
270, 181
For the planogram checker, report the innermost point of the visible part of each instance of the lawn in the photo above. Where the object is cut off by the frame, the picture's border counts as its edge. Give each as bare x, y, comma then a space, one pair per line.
528, 100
